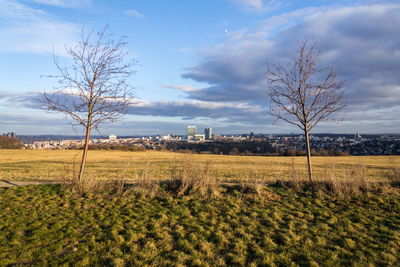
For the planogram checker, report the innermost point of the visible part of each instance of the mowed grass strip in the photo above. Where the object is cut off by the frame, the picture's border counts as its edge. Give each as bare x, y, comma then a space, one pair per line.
43, 225
55, 165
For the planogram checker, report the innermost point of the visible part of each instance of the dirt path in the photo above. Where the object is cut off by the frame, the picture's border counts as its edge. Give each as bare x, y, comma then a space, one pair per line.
5, 183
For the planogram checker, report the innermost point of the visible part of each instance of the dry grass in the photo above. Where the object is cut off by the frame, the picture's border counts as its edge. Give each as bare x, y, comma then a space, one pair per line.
48, 165
393, 175
193, 178
144, 184
352, 181
198, 174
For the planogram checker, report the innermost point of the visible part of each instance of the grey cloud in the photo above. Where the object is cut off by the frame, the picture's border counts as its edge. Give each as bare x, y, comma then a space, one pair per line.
167, 127
361, 42
191, 110
4, 95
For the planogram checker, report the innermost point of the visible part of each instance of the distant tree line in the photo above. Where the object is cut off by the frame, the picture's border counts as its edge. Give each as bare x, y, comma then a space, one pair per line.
10, 143
249, 148
224, 148
117, 147
319, 152
110, 147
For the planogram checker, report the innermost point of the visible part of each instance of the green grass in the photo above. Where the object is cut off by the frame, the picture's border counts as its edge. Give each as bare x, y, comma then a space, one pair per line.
43, 225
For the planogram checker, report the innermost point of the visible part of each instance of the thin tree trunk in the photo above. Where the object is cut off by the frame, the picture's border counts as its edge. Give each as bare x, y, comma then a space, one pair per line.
84, 154
309, 166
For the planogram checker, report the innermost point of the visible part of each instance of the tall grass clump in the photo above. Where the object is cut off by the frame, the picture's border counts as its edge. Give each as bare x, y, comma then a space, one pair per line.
353, 183
194, 178
68, 178
393, 174
349, 181
294, 178
144, 183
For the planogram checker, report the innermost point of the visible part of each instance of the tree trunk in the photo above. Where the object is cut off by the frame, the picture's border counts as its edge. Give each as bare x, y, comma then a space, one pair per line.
84, 154
309, 166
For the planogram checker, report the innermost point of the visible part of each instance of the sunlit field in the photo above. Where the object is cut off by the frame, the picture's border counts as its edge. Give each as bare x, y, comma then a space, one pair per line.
31, 165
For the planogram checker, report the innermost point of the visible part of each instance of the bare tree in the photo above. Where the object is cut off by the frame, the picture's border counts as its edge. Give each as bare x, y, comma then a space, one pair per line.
94, 88
303, 94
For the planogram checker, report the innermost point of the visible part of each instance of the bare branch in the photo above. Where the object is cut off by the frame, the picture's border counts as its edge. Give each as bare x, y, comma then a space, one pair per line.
302, 93
95, 88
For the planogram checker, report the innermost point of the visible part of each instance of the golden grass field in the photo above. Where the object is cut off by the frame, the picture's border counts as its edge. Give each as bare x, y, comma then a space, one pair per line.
33, 165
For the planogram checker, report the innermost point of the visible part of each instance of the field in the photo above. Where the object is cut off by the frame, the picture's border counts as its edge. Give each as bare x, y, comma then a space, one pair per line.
284, 226
17, 165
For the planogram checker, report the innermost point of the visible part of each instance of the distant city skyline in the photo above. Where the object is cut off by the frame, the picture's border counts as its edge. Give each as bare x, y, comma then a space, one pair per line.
203, 63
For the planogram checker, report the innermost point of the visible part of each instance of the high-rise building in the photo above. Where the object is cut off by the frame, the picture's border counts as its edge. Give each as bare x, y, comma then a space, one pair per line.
191, 131
251, 136
10, 134
208, 133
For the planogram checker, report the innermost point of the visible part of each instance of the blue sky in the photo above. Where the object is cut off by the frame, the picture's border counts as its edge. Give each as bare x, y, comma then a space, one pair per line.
203, 62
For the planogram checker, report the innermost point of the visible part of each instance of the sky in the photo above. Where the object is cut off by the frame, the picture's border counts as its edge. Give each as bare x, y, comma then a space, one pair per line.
204, 62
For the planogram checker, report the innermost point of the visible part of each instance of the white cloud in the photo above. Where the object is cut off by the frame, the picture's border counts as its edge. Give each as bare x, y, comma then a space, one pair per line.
133, 13
63, 3
258, 5
184, 88
28, 30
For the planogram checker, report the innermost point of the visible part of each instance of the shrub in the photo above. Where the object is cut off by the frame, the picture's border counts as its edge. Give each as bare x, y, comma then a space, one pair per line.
10, 143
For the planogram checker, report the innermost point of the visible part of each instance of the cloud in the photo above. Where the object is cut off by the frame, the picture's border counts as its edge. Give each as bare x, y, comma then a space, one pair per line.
29, 30
183, 88
362, 42
164, 117
133, 13
149, 117
240, 113
153, 127
232, 112
4, 94
63, 3
258, 5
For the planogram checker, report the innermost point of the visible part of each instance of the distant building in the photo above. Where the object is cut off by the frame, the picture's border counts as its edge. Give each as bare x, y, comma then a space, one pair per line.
191, 132
10, 134
208, 133
112, 137
357, 136
251, 135
199, 137
166, 137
